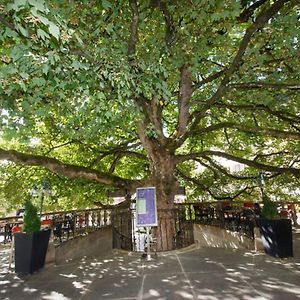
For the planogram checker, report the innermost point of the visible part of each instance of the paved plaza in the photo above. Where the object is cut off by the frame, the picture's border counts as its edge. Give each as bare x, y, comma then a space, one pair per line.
192, 273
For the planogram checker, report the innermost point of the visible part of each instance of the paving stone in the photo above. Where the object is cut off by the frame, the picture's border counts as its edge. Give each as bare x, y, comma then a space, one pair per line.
206, 273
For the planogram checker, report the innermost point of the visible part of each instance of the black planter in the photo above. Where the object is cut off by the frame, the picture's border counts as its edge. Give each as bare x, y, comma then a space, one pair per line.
30, 251
277, 237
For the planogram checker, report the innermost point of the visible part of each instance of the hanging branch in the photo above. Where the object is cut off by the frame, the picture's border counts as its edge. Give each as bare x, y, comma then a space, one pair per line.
262, 155
265, 85
285, 116
248, 162
207, 189
282, 134
114, 163
122, 153
214, 166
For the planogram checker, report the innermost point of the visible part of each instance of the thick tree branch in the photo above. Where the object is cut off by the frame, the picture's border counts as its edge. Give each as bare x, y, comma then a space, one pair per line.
133, 38
170, 28
154, 109
248, 12
64, 169
153, 116
185, 92
149, 144
261, 20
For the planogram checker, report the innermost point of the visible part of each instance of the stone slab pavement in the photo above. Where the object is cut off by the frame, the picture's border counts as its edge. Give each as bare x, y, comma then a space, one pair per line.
192, 273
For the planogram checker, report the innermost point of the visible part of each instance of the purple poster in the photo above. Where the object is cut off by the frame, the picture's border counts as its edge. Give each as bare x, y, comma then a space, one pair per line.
146, 207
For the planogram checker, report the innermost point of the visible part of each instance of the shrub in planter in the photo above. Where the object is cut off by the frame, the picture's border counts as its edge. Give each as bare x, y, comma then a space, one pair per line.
31, 245
269, 210
31, 220
276, 233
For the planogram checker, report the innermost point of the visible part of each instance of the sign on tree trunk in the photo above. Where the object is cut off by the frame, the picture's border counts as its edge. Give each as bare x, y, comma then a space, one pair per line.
146, 213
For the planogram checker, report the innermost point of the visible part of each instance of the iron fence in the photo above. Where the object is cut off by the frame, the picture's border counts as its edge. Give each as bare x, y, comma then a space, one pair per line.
234, 216
65, 224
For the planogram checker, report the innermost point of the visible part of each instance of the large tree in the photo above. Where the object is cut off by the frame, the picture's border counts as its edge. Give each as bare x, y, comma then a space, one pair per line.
153, 93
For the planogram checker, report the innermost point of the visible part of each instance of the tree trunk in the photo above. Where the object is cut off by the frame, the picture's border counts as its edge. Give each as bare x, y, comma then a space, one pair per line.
165, 233
166, 187
162, 163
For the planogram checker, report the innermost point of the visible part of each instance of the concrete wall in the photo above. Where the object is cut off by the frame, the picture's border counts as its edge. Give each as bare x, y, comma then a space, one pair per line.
99, 243
91, 245
213, 236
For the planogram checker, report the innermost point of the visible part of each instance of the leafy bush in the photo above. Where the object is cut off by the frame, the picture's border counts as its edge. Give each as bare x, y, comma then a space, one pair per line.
32, 221
269, 210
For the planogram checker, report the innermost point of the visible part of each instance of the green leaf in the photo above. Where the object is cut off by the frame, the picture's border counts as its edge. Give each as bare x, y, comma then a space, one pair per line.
108, 114
23, 86
42, 34
45, 68
17, 5
43, 19
76, 65
54, 30
22, 30
20, 2
79, 40
110, 28
106, 4
26, 105
24, 75
38, 81
38, 5
9, 33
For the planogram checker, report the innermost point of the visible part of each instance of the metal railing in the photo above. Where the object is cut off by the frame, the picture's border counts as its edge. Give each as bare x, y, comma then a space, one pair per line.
234, 216
65, 224
128, 237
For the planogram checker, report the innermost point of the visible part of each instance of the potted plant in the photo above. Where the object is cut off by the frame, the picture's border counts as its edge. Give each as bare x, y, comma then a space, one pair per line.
276, 233
31, 245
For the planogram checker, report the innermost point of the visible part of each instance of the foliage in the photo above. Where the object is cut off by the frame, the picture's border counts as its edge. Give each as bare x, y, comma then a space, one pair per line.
269, 210
32, 221
119, 94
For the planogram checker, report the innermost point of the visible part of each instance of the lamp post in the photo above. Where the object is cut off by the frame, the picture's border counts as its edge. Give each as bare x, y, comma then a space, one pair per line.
261, 180
44, 190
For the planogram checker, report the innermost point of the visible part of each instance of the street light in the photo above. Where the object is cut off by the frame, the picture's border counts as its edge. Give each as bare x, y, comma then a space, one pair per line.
44, 190
261, 180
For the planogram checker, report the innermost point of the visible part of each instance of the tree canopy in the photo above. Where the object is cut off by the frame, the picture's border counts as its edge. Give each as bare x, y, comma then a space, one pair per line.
121, 94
